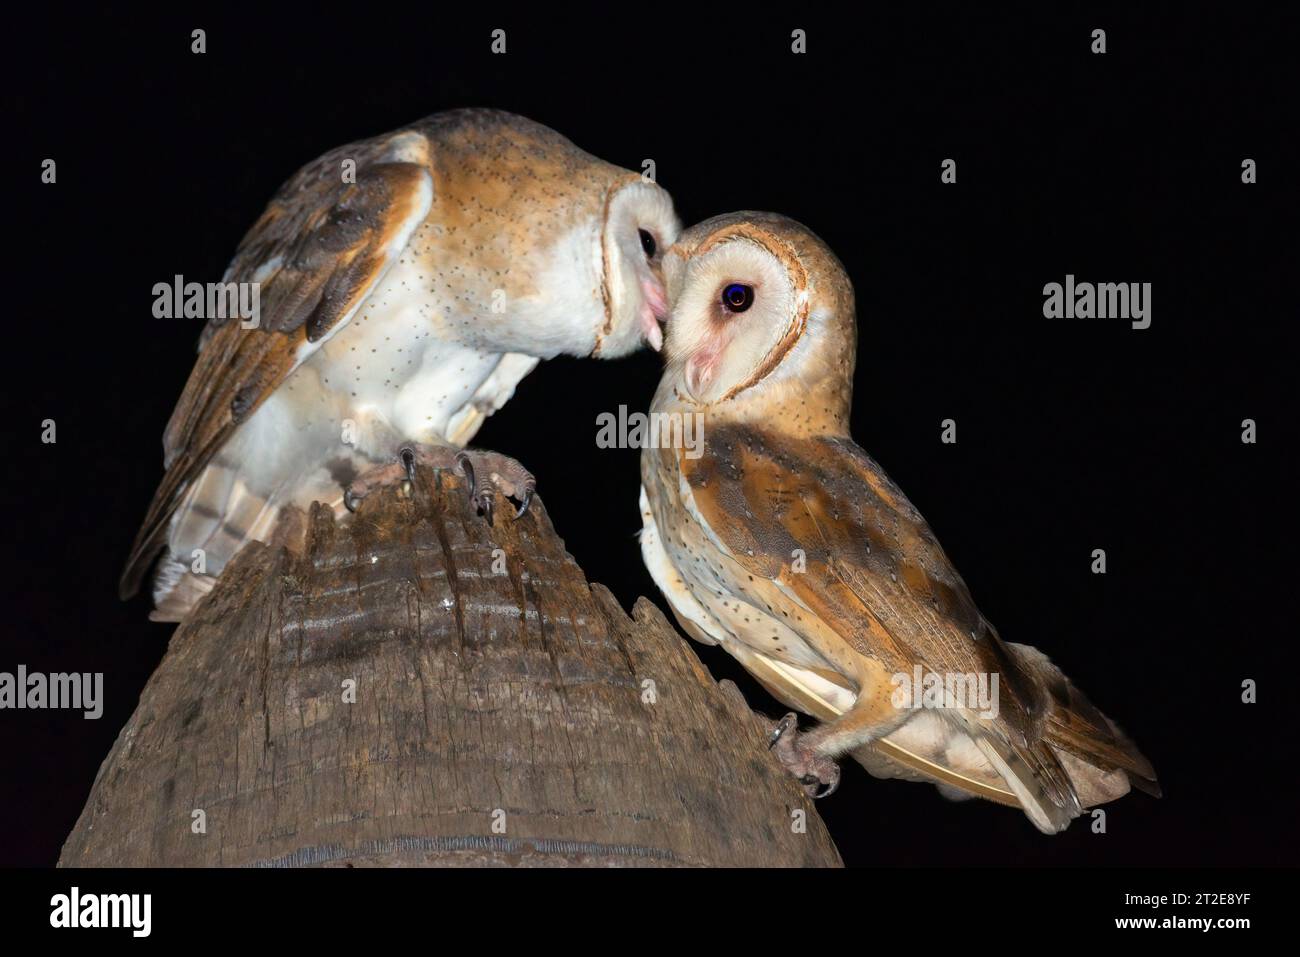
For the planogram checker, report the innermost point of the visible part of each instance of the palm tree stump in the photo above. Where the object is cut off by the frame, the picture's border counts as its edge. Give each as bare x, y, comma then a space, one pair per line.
411, 686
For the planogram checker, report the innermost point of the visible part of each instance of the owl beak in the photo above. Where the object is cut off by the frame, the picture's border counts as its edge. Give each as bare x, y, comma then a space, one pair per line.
700, 369
654, 310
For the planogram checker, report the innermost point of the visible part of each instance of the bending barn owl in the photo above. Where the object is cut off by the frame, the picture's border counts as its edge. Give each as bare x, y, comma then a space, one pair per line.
781, 540
407, 283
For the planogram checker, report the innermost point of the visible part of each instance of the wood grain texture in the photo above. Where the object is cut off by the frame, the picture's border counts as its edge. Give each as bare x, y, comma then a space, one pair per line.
514, 696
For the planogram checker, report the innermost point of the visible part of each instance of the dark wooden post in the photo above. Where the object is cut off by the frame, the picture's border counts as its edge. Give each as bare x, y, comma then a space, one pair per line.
416, 687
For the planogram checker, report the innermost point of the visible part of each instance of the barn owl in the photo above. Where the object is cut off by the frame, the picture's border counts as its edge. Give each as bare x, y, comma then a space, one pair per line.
406, 284
779, 539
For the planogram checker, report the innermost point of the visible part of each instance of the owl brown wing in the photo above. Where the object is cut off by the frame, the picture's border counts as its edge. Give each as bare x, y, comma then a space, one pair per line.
872, 570
317, 251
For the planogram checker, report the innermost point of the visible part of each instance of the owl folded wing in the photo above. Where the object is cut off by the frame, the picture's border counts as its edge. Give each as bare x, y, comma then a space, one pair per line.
316, 253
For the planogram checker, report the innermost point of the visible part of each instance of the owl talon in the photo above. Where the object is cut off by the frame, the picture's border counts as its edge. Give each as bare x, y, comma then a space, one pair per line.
467, 467
350, 500
503, 474
483, 505
818, 774
481, 499
527, 500
779, 730
407, 456
816, 788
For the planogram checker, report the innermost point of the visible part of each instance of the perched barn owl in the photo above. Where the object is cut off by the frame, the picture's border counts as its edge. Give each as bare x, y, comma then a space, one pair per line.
778, 538
407, 283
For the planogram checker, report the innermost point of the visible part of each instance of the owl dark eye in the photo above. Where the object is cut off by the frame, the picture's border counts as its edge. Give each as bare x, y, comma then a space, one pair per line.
647, 243
737, 297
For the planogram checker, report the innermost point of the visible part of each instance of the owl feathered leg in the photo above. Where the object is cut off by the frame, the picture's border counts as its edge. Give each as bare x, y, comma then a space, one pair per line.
810, 755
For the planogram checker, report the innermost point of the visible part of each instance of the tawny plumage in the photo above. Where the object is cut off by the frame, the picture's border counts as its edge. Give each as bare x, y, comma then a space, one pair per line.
407, 283
787, 545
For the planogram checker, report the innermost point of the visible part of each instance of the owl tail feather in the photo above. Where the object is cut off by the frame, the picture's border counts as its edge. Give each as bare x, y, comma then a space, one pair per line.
176, 590
1100, 759
218, 517
1079, 758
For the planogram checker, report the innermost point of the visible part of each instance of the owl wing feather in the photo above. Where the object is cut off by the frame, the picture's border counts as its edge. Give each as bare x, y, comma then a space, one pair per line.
873, 570
318, 250
876, 576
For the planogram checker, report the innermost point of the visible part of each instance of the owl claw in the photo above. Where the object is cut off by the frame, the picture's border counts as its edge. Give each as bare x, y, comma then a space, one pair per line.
504, 475
819, 775
467, 467
350, 500
790, 721
817, 789
527, 500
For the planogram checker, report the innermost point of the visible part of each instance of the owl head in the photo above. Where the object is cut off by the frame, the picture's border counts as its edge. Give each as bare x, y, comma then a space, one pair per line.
574, 242
761, 323
639, 226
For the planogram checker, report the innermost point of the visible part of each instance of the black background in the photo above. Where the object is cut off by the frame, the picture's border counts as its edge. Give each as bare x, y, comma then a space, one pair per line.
1072, 435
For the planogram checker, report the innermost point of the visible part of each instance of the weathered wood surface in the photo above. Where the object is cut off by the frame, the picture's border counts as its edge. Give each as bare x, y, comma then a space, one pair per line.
507, 716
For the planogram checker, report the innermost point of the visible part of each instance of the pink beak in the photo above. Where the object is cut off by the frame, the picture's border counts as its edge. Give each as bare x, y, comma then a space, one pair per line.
700, 368
654, 310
